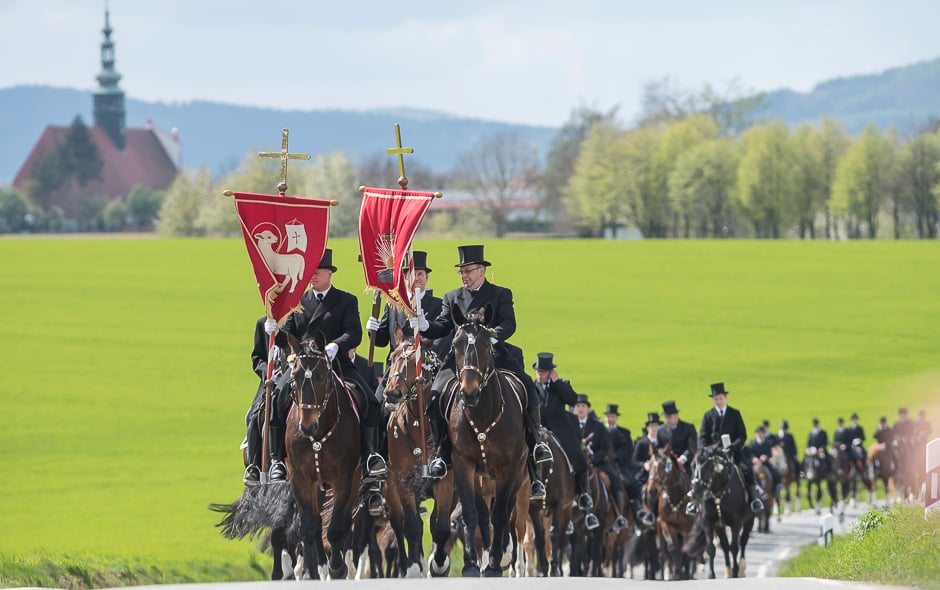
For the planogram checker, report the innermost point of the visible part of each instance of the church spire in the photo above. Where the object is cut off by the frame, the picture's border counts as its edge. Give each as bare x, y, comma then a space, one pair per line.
109, 98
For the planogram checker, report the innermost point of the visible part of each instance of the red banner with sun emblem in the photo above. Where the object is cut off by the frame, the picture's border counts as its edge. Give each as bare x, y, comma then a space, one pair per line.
388, 221
286, 238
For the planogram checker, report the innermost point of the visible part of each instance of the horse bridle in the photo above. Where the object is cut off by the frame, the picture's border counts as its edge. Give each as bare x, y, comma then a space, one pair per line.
722, 463
318, 357
471, 345
412, 389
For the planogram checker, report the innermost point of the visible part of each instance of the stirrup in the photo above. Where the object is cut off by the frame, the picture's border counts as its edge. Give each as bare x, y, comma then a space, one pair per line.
376, 504
437, 469
620, 523
537, 492
585, 502
277, 472
591, 522
542, 453
756, 505
569, 528
692, 508
375, 464
252, 476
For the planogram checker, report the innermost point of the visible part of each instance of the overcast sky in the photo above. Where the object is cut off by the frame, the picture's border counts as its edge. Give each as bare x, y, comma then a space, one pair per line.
522, 61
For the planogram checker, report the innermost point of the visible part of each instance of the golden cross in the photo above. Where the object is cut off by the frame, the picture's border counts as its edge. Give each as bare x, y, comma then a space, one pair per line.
284, 155
400, 152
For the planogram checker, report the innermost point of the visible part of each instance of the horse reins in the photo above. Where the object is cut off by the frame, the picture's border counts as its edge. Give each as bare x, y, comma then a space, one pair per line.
482, 435
317, 445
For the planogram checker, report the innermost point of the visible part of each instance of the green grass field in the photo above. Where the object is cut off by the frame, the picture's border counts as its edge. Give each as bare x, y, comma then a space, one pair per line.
125, 373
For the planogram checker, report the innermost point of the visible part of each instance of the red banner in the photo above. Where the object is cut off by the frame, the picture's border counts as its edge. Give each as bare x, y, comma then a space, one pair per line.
285, 237
388, 221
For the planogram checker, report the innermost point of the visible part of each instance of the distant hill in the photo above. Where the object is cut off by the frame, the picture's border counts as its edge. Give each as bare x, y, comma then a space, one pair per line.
219, 135
905, 98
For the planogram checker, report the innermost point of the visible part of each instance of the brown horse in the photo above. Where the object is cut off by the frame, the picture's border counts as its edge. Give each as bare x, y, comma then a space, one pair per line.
880, 468
322, 442
486, 428
789, 472
674, 525
765, 480
409, 438
554, 511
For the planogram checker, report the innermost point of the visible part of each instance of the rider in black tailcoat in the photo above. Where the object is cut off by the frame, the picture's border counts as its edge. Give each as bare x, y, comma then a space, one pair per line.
595, 439
854, 440
335, 313
818, 438
475, 294
761, 448
789, 448
622, 447
680, 433
723, 419
259, 364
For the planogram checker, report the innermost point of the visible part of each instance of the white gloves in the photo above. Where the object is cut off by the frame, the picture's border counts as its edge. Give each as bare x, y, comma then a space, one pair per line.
331, 349
494, 341
419, 323
270, 326
419, 295
372, 325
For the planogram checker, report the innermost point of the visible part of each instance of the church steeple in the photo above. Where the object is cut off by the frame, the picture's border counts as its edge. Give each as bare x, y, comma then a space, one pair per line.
109, 99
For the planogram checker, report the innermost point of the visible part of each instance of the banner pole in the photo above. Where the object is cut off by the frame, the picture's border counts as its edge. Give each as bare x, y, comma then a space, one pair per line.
268, 395
419, 378
376, 309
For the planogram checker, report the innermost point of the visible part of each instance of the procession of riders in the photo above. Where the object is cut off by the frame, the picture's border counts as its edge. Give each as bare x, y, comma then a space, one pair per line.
642, 477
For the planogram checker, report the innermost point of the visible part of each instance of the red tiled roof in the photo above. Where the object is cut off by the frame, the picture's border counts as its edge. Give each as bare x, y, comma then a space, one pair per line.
143, 162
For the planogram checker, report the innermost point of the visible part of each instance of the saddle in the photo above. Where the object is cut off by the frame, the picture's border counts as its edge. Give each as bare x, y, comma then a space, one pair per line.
546, 435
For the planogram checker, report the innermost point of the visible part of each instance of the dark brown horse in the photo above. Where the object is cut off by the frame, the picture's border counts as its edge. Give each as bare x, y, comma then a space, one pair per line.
409, 438
322, 441
718, 482
880, 468
673, 524
789, 471
765, 480
486, 428
817, 471
554, 511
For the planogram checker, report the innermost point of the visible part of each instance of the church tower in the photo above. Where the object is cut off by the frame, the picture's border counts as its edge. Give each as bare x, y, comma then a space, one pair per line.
109, 99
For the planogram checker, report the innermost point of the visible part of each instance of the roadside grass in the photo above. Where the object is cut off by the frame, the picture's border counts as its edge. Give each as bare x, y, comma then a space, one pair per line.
898, 547
125, 374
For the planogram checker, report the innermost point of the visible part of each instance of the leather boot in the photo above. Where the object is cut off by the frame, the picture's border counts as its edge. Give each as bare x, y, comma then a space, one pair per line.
585, 502
277, 472
374, 463
437, 466
620, 522
540, 451
537, 490
252, 476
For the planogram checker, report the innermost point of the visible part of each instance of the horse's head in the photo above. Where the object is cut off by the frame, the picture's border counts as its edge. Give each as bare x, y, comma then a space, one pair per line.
661, 468
403, 381
313, 382
713, 469
473, 353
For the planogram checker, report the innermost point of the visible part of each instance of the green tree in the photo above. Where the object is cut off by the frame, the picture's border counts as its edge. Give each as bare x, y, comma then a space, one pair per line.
919, 181
80, 155
562, 155
765, 179
862, 182
142, 207
834, 141
680, 137
701, 185
596, 194
334, 177
645, 190
809, 198
115, 215
14, 208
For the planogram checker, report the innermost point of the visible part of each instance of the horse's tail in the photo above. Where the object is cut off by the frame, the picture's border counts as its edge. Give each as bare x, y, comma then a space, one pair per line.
694, 546
258, 509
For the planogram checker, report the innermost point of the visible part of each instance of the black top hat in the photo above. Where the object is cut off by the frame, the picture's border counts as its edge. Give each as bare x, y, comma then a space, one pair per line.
612, 409
784, 424
471, 255
420, 259
883, 419
766, 423
669, 408
718, 388
545, 362
583, 399
840, 420
854, 416
653, 418
815, 421
327, 260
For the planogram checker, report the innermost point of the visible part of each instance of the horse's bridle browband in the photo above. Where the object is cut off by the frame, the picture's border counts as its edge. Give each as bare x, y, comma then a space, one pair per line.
319, 357
485, 377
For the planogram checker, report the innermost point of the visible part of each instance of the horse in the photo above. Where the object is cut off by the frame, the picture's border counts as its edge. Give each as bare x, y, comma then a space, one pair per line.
673, 525
322, 443
554, 510
588, 546
765, 480
485, 424
816, 470
409, 437
880, 468
720, 485
907, 467
789, 475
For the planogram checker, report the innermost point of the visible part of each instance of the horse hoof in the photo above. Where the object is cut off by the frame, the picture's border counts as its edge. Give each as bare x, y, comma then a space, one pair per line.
470, 571
339, 573
439, 571
728, 574
492, 572
413, 571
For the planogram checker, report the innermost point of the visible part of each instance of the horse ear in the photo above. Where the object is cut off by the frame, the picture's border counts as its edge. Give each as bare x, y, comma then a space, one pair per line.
319, 339
294, 344
487, 314
457, 316
399, 336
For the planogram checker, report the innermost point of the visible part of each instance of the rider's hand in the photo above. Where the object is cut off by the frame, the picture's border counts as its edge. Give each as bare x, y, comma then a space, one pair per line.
494, 341
419, 295
681, 460
270, 326
372, 325
553, 375
331, 349
419, 323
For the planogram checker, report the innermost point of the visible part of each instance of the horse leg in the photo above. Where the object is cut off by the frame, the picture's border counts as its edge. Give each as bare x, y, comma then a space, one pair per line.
310, 535
502, 506
538, 538
467, 489
439, 564
733, 549
710, 548
396, 519
723, 539
339, 526
414, 533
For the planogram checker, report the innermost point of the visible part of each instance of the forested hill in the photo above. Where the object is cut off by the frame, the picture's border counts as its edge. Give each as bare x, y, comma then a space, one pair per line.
219, 135
905, 98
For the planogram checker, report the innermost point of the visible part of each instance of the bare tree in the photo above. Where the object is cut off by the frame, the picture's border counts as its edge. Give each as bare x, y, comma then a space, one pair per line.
498, 174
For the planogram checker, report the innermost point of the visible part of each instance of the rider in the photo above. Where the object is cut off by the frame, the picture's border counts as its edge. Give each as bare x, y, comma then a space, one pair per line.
259, 363
680, 433
643, 451
760, 449
789, 447
885, 436
723, 419
335, 313
557, 393
854, 439
622, 443
476, 294
594, 438
819, 439
394, 319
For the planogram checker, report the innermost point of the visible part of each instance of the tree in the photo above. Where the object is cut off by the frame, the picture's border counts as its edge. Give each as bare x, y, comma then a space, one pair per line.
179, 213
499, 173
333, 177
765, 179
142, 207
862, 181
645, 192
596, 193
808, 196
701, 185
80, 155
834, 142
919, 181
562, 155
14, 209
731, 108
680, 137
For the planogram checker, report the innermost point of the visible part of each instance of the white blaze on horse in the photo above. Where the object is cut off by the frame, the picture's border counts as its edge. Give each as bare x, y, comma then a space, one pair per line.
289, 266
